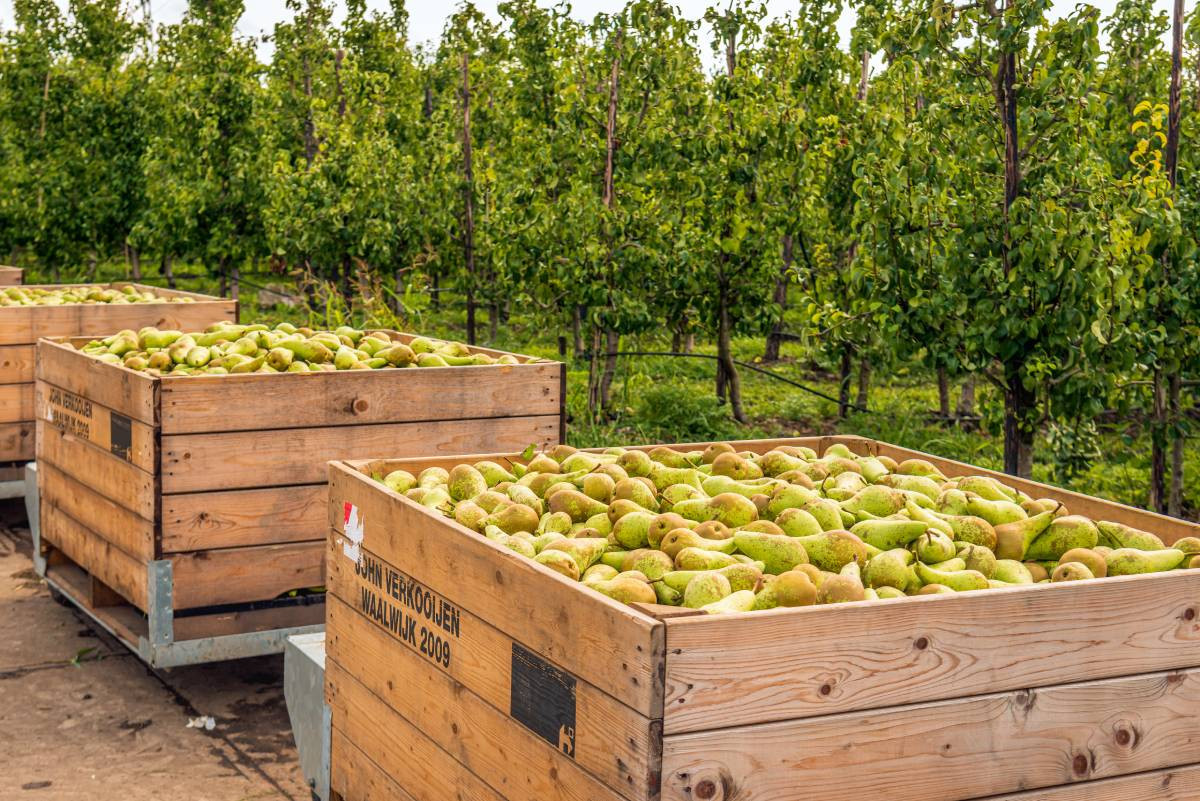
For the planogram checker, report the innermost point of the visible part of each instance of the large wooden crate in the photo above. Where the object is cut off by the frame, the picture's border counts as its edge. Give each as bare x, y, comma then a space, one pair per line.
220, 481
22, 326
10, 276
458, 669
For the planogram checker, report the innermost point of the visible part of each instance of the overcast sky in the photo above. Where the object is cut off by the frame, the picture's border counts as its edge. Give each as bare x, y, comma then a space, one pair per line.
426, 17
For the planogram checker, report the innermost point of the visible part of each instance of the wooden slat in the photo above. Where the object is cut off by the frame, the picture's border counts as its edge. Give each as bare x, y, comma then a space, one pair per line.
24, 325
761, 667
16, 442
951, 750
400, 749
1174, 784
112, 432
242, 621
108, 520
130, 393
16, 364
102, 559
16, 403
354, 777
125, 620
202, 520
11, 276
242, 575
553, 616
302, 400
247, 459
115, 479
612, 742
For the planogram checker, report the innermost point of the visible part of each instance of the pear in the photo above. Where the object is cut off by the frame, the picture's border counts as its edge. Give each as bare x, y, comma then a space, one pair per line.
953, 502
995, 512
838, 588
614, 557
872, 468
1094, 561
975, 530
636, 463
584, 550
1011, 571
714, 450
979, 559
787, 589
826, 512
664, 477
514, 518
1193, 563
715, 485
1189, 545
632, 530
987, 488
1131, 561
466, 482
798, 523
544, 463
877, 500
919, 484
633, 489
763, 527
519, 494
701, 559
574, 503
664, 524
713, 530
471, 515
598, 486
1033, 507
400, 481
888, 569
957, 580
613, 471
433, 476
705, 589
735, 467
917, 512
1014, 539
1119, 535
790, 496
620, 507
1037, 571
599, 572
740, 601
626, 589
935, 589
669, 457
1064, 534
843, 486
560, 562
729, 508
680, 538
776, 462
951, 565
886, 534
833, 550
919, 467
778, 552
740, 577
576, 460
933, 547
667, 596
677, 493
1071, 571
889, 593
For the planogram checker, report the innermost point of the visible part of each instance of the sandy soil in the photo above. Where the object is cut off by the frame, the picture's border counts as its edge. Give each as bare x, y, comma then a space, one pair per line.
82, 718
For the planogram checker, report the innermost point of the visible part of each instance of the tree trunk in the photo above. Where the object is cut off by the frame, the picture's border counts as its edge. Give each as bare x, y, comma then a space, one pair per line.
222, 283
613, 344
594, 375
775, 338
435, 291
1175, 496
167, 268
1171, 151
732, 384
1158, 446
135, 263
966, 400
1018, 438
398, 292
689, 343
493, 321
943, 382
1007, 101
844, 382
235, 281
864, 382
676, 340
468, 200
93, 264
577, 332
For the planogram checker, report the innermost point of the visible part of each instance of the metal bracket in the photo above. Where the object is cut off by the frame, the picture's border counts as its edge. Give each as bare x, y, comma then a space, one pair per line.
33, 513
160, 600
304, 691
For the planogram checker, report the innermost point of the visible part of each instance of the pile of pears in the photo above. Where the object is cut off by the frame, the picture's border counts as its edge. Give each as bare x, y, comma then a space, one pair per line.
725, 531
71, 295
229, 348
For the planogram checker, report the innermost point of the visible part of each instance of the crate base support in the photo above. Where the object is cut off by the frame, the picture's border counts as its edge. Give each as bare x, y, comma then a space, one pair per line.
158, 647
304, 691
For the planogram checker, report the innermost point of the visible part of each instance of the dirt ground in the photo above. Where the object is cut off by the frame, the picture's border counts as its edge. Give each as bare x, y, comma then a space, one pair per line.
82, 718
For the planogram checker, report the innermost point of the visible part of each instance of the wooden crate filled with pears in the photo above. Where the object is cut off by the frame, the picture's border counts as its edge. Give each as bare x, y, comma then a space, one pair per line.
196, 461
832, 618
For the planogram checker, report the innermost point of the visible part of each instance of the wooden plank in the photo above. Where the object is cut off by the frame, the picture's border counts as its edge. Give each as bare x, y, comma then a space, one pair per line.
243, 621
1174, 784
16, 364
303, 400
202, 520
11, 276
499, 750
242, 575
114, 478
75, 583
793, 663
108, 520
553, 616
247, 459
16, 403
124, 391
369, 630
17, 441
952, 750
400, 749
24, 325
354, 777
97, 556
112, 432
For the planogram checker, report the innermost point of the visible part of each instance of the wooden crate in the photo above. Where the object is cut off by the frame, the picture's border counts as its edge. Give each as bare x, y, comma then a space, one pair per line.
10, 276
459, 669
22, 326
223, 478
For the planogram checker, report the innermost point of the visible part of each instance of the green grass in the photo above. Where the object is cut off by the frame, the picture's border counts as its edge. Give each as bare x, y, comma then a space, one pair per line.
662, 399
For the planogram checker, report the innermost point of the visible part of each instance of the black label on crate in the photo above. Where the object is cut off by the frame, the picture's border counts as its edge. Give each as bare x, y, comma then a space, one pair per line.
120, 436
543, 699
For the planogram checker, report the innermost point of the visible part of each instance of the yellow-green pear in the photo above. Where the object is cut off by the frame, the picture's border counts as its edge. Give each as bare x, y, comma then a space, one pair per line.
465, 482
514, 518
1014, 539
877, 500
979, 559
705, 589
584, 550
933, 547
735, 467
470, 514
560, 562
833, 550
1119, 535
987, 488
919, 467
919, 484
798, 523
888, 533
1010, 571
626, 589
889, 569
968, 528
650, 563
1064, 534
786, 590
958, 580
1071, 571
995, 512
740, 601
678, 539
1131, 561
838, 588
663, 524
599, 572
777, 552
575, 504
632, 530
702, 559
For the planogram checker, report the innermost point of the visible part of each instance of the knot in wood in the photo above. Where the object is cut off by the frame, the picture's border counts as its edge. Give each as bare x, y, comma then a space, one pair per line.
360, 405
706, 789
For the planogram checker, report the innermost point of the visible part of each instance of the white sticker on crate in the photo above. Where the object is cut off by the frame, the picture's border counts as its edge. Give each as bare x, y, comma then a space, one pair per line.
353, 524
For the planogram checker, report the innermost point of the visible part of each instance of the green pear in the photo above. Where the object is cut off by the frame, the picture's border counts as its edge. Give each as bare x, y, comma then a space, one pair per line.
798, 523
987, 488
1189, 545
952, 502
598, 486
518, 494
680, 538
729, 508
466, 482
763, 527
663, 524
636, 463
958, 580
1011, 571
740, 577
514, 518
786, 590
933, 547
651, 564
632, 530
936, 589
833, 550
626, 589
917, 512
713, 530
664, 477
574, 503
735, 467
872, 468
584, 550
667, 596
1093, 560
919, 484
560, 562
632, 489
776, 462
778, 552
669, 457
826, 512
1071, 571
714, 450
715, 485
599, 572
433, 476
889, 593
706, 588
888, 569
877, 500
950, 565
740, 601
975, 530
995, 512
886, 534
1063, 534
1014, 539
471, 515
400, 481
1131, 561
919, 467
838, 588
1119, 535
702, 559
979, 559
619, 508
678, 493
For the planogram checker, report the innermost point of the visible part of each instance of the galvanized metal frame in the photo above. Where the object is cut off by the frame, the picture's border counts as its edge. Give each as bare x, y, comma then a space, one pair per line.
159, 648
310, 716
